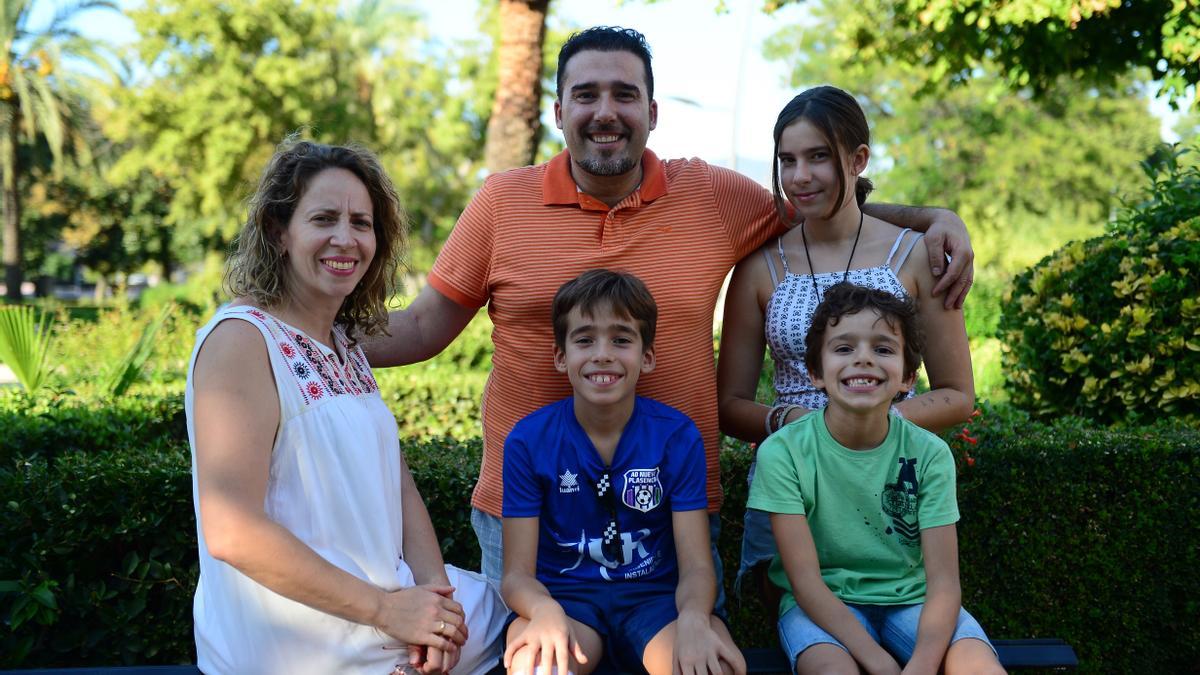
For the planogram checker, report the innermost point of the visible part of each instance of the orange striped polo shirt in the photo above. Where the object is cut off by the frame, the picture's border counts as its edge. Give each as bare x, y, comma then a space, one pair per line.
529, 230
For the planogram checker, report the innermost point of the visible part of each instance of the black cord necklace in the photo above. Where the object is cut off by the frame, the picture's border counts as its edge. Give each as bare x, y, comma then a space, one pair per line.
812, 275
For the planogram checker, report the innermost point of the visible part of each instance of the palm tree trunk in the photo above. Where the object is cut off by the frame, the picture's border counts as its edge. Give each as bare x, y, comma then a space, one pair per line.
514, 126
11, 204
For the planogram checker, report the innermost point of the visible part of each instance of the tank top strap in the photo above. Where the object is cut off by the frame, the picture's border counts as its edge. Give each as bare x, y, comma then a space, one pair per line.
771, 267
782, 257
900, 259
896, 246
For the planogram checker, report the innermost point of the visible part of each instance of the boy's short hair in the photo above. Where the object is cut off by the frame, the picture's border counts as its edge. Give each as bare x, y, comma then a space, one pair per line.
625, 293
844, 298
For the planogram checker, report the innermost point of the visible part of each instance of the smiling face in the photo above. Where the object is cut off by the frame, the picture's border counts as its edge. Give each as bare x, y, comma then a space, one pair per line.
862, 363
605, 112
329, 242
808, 170
603, 357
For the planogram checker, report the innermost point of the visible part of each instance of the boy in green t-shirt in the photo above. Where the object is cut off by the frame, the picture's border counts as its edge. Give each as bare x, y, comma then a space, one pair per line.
863, 508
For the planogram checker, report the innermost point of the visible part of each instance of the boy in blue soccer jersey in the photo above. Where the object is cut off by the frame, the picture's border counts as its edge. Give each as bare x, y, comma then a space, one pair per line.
606, 544
863, 508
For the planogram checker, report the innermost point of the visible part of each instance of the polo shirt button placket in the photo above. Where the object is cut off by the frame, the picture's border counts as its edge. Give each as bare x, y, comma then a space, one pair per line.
608, 231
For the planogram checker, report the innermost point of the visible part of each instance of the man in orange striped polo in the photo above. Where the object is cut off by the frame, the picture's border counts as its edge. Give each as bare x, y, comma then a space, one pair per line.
605, 202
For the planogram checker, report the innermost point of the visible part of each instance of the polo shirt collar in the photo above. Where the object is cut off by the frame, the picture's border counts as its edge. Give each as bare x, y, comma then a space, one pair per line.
559, 188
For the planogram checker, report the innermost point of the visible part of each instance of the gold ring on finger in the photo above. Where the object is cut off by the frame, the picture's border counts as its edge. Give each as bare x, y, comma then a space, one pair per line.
441, 627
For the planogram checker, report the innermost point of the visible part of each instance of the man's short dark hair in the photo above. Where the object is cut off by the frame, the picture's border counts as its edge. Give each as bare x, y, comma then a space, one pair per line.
624, 293
843, 299
605, 39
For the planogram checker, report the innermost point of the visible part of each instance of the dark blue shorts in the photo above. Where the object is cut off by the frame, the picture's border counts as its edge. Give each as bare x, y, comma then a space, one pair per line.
627, 615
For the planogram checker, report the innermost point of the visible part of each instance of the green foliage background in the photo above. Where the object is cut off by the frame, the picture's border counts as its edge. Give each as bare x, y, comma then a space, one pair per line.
1035, 43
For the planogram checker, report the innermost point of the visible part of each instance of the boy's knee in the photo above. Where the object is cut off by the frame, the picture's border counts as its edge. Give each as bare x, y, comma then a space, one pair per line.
523, 663
825, 659
972, 656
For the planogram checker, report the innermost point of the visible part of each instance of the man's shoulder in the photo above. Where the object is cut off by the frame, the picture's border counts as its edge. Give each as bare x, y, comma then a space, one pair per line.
516, 181
690, 168
696, 168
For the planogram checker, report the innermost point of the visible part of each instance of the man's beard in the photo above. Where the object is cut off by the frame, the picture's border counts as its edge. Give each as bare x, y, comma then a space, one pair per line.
607, 166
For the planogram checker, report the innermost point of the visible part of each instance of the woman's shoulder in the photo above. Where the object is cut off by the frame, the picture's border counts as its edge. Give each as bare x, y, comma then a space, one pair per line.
886, 234
915, 266
755, 269
234, 344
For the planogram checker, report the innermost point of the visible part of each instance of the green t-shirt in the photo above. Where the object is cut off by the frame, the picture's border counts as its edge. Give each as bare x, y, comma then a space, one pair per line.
865, 508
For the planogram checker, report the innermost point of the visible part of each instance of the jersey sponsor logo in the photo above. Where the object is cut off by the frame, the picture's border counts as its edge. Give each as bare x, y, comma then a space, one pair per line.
568, 482
642, 562
643, 491
899, 502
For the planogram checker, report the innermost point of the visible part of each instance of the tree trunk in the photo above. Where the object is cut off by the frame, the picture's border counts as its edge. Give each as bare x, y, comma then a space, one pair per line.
514, 126
11, 202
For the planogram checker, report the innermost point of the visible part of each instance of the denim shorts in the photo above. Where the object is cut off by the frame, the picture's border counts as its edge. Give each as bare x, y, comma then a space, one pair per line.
758, 541
894, 627
488, 530
490, 534
627, 615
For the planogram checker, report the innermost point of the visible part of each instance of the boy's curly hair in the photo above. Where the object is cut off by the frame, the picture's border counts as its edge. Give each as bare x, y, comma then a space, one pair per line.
845, 298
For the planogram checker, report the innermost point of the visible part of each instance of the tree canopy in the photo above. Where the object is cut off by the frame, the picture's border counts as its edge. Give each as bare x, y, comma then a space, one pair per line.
1028, 43
228, 81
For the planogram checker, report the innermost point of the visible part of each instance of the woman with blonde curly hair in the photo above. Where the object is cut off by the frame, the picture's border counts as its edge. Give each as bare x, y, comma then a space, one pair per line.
317, 554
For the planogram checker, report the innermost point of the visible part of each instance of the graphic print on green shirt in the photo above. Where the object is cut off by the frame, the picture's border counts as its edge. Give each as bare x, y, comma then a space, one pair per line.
899, 502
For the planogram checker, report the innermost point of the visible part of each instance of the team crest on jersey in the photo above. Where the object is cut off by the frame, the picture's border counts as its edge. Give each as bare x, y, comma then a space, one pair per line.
643, 491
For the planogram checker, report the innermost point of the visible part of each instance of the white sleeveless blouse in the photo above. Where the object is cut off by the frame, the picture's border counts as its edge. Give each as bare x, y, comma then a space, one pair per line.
335, 484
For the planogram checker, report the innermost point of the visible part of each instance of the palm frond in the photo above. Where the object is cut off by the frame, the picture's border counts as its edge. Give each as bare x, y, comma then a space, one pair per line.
25, 342
22, 89
48, 107
60, 24
129, 368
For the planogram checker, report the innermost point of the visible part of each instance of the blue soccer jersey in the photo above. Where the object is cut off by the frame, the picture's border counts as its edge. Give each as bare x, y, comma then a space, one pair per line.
552, 471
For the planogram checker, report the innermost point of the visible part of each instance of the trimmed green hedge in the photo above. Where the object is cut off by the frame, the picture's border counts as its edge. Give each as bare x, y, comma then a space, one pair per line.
1086, 535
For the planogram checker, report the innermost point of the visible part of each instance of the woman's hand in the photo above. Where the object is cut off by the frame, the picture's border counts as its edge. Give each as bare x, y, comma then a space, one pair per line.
424, 615
431, 661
